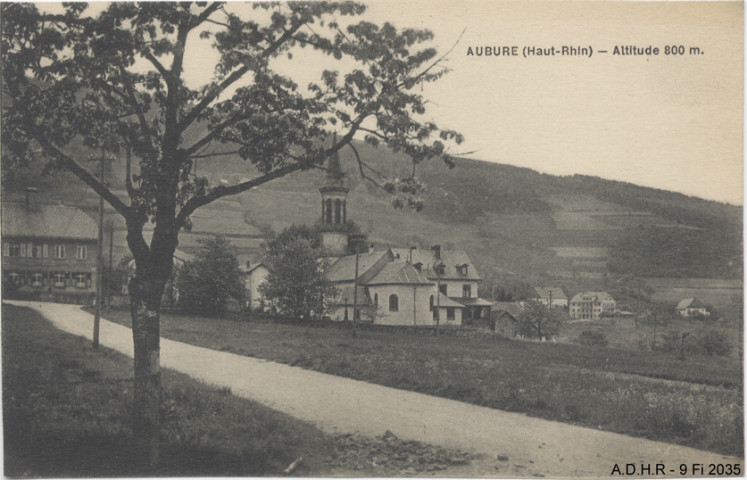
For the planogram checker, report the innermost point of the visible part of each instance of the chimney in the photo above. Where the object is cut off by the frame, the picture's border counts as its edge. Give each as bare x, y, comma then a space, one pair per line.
411, 249
31, 198
437, 251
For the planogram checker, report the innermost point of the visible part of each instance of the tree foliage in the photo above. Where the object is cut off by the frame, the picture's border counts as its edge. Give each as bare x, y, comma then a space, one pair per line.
538, 321
212, 278
115, 81
297, 284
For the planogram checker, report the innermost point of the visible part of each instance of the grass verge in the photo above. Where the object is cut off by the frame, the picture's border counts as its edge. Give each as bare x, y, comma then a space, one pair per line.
66, 413
695, 402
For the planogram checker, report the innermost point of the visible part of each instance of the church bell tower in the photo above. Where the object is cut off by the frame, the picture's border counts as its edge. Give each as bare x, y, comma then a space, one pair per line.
334, 210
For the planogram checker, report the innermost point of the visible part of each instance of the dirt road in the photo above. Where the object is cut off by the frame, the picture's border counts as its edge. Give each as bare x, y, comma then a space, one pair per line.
513, 445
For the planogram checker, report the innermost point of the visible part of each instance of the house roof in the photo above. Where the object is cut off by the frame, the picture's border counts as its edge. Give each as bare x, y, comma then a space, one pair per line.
473, 302
450, 258
398, 272
445, 301
345, 296
512, 308
598, 296
554, 292
690, 303
47, 221
343, 269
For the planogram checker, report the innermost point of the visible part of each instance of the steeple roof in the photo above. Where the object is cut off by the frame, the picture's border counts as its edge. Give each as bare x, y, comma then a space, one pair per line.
335, 180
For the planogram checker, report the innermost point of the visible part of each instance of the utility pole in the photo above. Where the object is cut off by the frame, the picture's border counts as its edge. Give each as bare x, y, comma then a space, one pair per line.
438, 267
109, 277
99, 260
355, 294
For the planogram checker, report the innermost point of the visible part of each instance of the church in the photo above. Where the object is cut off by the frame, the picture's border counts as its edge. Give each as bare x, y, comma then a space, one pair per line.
396, 286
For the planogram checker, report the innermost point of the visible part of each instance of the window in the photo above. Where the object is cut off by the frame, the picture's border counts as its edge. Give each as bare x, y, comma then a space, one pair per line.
442, 288
466, 291
376, 299
36, 250
338, 210
450, 313
431, 302
58, 279
82, 252
59, 251
329, 211
80, 280
393, 303
15, 250
37, 279
14, 278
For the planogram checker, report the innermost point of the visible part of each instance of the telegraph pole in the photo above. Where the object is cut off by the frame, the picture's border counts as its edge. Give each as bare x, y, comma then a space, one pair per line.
109, 277
355, 294
99, 260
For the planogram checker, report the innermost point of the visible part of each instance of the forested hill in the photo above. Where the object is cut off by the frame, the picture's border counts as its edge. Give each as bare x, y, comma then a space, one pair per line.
512, 221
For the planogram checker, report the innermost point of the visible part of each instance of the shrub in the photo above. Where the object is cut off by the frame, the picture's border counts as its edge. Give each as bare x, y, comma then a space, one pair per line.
711, 341
591, 338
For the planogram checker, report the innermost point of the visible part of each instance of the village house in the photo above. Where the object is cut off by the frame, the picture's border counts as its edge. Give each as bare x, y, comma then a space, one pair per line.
254, 275
398, 286
505, 318
692, 307
591, 305
49, 252
551, 296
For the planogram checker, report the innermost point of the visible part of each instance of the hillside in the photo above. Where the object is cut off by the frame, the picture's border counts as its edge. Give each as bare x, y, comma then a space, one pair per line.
517, 224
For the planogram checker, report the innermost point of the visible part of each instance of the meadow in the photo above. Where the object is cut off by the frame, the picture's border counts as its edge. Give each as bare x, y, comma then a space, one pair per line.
695, 402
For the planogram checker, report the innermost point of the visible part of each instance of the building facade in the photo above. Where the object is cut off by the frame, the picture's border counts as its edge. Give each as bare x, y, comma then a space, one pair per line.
49, 252
591, 305
554, 296
692, 307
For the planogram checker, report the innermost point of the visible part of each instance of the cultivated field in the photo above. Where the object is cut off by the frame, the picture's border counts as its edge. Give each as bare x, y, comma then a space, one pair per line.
694, 402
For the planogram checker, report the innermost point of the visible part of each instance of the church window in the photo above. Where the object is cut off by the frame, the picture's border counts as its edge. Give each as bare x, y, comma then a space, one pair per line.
329, 211
338, 210
393, 303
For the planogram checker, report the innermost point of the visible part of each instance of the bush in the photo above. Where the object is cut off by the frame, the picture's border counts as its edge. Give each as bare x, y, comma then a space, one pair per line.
711, 341
591, 338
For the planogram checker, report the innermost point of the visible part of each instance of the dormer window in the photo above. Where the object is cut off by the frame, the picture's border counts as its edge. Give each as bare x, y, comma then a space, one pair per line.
462, 269
418, 266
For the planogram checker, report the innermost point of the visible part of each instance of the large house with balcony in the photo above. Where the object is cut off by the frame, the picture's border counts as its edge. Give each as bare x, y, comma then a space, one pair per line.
49, 252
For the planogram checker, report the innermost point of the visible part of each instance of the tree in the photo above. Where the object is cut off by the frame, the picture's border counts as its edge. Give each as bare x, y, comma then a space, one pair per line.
212, 277
297, 283
538, 321
115, 81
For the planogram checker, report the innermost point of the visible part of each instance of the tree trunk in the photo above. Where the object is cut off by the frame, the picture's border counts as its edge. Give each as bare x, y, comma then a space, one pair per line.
145, 303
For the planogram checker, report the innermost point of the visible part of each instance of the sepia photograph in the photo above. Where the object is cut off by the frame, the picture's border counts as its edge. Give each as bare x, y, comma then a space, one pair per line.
449, 239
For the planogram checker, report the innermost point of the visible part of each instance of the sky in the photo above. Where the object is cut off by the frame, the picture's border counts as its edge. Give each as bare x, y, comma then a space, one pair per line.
666, 121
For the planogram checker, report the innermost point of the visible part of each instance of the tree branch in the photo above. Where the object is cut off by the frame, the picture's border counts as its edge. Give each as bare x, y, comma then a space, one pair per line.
221, 191
147, 139
82, 174
214, 92
159, 66
212, 135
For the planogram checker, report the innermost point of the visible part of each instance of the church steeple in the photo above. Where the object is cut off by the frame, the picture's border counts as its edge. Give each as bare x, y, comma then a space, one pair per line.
334, 208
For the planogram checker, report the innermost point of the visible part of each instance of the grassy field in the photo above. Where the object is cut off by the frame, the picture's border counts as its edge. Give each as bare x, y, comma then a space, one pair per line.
694, 402
66, 411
